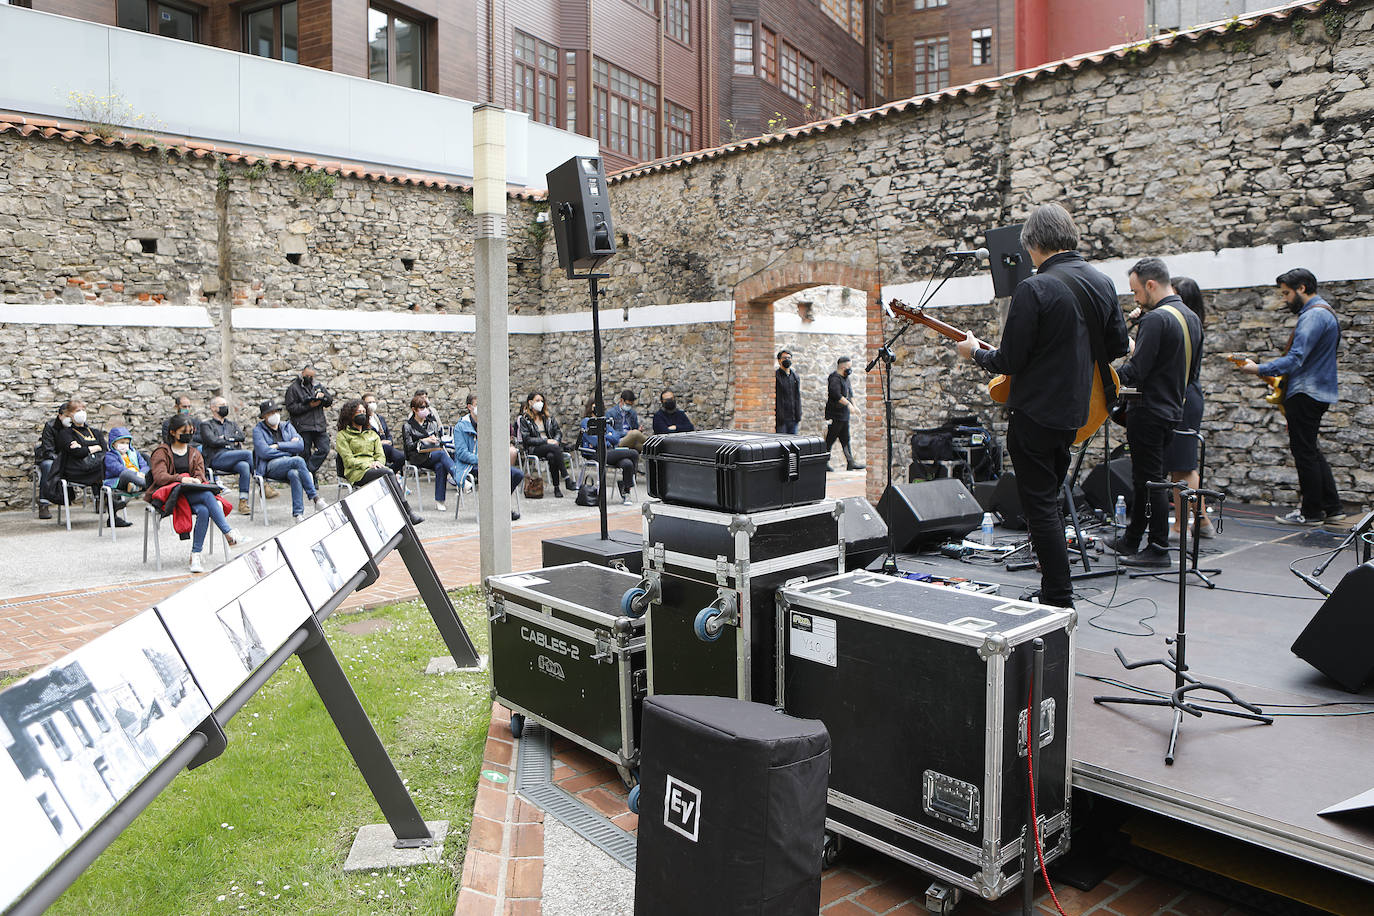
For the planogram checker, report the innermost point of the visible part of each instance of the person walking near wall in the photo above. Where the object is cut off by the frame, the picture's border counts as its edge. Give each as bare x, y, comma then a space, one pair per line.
305, 401
787, 404
839, 401
1308, 368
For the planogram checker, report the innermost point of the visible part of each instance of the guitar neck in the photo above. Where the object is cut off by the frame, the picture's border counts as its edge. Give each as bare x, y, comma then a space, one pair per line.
934, 324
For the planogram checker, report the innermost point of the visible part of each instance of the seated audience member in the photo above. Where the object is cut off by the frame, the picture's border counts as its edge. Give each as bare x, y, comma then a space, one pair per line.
44, 454
465, 448
424, 445
179, 487
277, 455
182, 405
669, 419
623, 458
434, 414
80, 452
222, 444
126, 470
395, 457
626, 421
541, 436
360, 450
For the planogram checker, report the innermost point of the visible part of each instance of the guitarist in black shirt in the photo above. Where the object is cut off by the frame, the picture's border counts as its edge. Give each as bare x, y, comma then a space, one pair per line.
1064, 326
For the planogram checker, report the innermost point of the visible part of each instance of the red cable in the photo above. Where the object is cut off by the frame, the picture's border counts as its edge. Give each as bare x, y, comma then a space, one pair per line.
1033, 734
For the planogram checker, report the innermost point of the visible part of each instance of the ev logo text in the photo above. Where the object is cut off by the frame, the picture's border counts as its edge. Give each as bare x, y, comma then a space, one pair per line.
682, 808
552, 643
550, 667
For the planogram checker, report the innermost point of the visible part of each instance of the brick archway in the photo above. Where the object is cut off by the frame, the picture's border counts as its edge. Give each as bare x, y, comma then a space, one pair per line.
754, 353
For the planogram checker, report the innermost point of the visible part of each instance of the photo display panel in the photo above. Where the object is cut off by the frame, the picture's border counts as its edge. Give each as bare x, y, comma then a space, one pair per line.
378, 516
324, 552
79, 735
229, 622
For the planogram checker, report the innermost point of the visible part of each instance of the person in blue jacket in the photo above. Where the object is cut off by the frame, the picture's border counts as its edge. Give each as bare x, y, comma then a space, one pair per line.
126, 470
623, 458
277, 451
465, 449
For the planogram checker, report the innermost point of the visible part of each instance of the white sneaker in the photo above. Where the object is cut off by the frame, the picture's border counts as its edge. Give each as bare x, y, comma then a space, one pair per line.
197, 565
467, 485
234, 537
320, 504
298, 518
440, 507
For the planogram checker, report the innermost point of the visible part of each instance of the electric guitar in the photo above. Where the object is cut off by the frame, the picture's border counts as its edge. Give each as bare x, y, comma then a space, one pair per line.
1275, 383
1000, 386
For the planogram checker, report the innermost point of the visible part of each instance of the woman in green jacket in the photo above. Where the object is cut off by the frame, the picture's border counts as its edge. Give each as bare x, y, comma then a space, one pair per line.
360, 450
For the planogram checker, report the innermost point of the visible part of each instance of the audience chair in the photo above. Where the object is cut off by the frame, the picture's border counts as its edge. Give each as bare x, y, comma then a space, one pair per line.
257, 497
152, 520
105, 507
71, 492
344, 487
419, 474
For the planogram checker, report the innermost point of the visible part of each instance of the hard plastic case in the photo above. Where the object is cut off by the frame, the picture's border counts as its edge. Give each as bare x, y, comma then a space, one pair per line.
730, 470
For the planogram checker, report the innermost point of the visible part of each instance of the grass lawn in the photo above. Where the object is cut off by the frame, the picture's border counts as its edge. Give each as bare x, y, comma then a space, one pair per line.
265, 827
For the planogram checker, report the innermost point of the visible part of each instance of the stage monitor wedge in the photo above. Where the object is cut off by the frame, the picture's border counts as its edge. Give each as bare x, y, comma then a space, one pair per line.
1339, 639
580, 208
929, 511
1009, 262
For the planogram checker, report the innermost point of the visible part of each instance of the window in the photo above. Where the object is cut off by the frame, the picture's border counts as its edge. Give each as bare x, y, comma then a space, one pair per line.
848, 13
99, 717
536, 79
836, 98
650, 5
797, 73
59, 743
931, 64
679, 16
768, 56
928, 4
395, 49
159, 18
79, 727
570, 93
271, 31
679, 130
626, 112
982, 47
744, 48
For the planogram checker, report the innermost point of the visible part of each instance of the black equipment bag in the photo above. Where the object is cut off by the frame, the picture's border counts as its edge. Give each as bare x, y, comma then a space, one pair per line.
734, 471
731, 809
960, 438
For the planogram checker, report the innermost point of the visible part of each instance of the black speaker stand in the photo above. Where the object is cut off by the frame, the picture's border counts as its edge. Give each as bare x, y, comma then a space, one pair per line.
1177, 661
597, 425
886, 357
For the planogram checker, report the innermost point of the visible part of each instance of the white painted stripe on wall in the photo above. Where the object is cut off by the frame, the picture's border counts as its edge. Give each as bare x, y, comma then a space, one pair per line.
145, 316
832, 325
649, 316
327, 319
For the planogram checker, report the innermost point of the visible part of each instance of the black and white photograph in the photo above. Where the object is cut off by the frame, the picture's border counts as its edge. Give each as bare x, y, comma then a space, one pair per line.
82, 733
378, 516
324, 552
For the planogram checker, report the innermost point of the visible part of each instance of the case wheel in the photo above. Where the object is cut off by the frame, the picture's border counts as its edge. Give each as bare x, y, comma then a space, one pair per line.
707, 626
830, 849
941, 899
632, 602
633, 800
517, 724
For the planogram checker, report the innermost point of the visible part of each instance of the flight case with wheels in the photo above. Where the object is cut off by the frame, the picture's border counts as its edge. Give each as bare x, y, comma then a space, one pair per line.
563, 655
731, 470
925, 690
709, 583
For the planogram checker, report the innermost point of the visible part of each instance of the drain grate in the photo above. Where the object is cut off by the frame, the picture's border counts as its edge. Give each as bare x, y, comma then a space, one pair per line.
534, 781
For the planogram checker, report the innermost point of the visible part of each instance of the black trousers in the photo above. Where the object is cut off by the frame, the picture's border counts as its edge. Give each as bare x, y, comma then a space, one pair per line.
372, 474
316, 449
1040, 457
395, 458
624, 458
1315, 481
552, 452
838, 430
1148, 434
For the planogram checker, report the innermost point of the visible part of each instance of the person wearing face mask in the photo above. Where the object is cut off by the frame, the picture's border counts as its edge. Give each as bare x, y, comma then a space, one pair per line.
180, 490
80, 452
839, 401
305, 401
222, 445
395, 457
617, 456
669, 419
625, 421
787, 404
465, 448
424, 443
126, 470
181, 406
541, 436
45, 454
1308, 367
360, 450
277, 450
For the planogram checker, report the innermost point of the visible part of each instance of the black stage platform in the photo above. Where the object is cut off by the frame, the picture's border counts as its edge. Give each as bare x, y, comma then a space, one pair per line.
1260, 783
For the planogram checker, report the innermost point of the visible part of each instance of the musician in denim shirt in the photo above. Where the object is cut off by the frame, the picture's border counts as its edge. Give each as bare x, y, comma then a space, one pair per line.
1309, 370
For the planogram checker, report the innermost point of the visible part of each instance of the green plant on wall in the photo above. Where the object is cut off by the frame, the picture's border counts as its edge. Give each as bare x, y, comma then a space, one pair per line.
316, 183
256, 170
1335, 24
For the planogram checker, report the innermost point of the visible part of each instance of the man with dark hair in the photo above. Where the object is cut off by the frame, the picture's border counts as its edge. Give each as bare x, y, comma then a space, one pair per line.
1062, 321
1308, 366
305, 401
839, 400
670, 418
1166, 354
625, 420
182, 405
787, 404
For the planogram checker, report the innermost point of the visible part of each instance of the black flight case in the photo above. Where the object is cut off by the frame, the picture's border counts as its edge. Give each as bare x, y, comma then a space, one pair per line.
710, 579
925, 690
733, 471
562, 655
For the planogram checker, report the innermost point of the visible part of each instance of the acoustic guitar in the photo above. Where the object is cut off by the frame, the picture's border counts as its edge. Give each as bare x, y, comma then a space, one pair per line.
1000, 386
1275, 383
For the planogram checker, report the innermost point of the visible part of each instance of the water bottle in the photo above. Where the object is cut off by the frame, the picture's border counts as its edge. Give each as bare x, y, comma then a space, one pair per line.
1119, 518
987, 529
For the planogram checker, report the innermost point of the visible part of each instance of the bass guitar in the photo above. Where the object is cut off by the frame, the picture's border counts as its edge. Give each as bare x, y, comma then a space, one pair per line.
1000, 386
1275, 382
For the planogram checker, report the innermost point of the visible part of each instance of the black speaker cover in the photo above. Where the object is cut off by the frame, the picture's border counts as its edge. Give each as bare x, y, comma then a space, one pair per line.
863, 531
1106, 482
929, 511
731, 809
1339, 639
1006, 502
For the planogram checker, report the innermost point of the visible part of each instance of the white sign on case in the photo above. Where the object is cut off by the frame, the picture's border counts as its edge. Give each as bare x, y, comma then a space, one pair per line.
79, 735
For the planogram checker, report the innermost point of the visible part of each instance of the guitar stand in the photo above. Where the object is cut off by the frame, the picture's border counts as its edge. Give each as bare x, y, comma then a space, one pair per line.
1177, 660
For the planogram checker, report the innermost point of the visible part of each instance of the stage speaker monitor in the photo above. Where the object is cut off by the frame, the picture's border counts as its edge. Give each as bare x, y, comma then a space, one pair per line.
929, 511
1106, 482
1009, 262
863, 532
1339, 639
1006, 502
580, 207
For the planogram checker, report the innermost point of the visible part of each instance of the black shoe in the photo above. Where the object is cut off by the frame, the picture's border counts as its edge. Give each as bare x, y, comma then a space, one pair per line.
416, 518
828, 469
515, 515
854, 466
557, 492
1151, 556
568, 482
121, 522
1121, 546
44, 511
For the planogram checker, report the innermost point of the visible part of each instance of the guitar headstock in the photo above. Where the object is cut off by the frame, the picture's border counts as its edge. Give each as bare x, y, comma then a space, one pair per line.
908, 312
1237, 358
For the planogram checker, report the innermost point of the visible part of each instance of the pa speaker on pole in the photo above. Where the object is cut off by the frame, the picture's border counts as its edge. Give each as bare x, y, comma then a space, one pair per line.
580, 207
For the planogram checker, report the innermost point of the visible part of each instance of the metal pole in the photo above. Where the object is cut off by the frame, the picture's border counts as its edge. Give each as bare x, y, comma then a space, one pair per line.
1028, 859
599, 410
491, 341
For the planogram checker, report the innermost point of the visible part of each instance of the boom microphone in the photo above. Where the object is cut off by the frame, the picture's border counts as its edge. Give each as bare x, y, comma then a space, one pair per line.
980, 253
